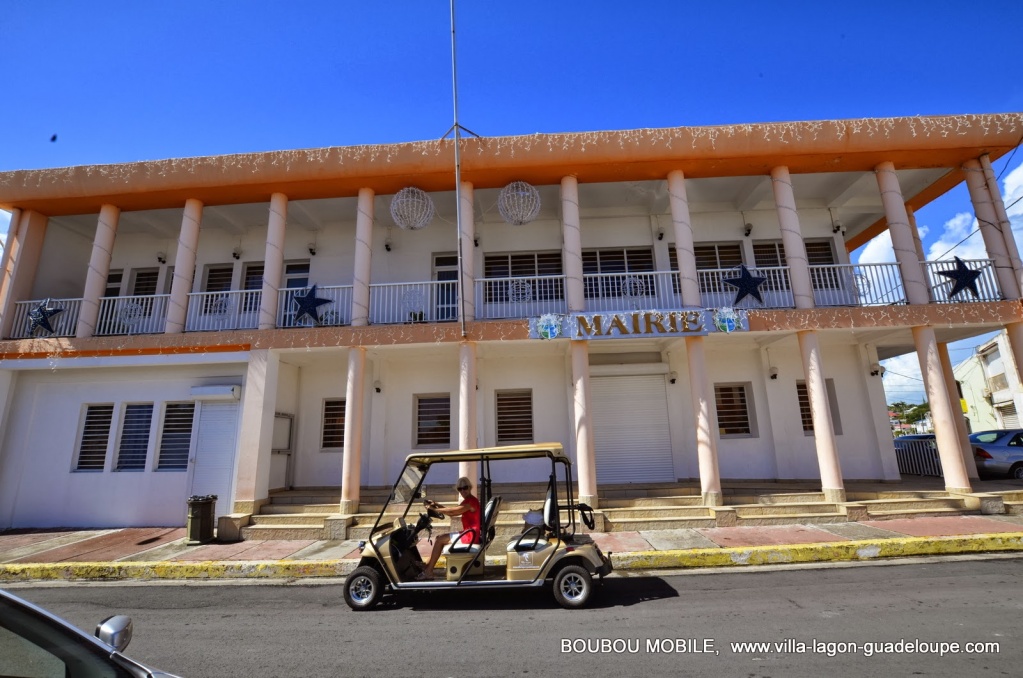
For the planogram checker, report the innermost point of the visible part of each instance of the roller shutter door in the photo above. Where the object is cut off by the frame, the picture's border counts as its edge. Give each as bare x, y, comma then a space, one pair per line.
213, 471
630, 428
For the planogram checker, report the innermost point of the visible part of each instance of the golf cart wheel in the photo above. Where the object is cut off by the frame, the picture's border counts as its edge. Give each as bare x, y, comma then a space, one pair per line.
1016, 472
362, 588
572, 586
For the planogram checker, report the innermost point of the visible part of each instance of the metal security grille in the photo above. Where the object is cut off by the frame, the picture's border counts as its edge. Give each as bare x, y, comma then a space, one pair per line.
805, 413
176, 439
733, 410
333, 423
514, 417
138, 418
92, 452
433, 420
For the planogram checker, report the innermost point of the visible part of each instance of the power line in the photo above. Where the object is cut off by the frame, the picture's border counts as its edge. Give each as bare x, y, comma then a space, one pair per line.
904, 376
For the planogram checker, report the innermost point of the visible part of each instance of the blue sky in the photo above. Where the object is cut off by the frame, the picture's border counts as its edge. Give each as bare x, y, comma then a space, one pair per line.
125, 81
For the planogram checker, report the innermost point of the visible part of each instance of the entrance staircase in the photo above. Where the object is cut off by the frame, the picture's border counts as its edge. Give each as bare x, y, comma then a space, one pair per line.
302, 513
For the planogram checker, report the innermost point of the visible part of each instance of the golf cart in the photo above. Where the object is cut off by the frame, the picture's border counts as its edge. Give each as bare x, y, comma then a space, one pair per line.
548, 552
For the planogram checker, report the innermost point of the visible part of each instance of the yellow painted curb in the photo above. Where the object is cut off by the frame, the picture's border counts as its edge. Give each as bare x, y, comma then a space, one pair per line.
871, 549
278, 569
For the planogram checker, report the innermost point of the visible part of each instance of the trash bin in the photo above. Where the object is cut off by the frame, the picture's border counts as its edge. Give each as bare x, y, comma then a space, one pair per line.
201, 509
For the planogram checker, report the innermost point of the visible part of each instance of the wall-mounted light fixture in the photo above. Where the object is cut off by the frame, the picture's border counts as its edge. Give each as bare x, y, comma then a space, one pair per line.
377, 387
161, 257
387, 244
877, 370
747, 229
236, 253
773, 372
660, 234
476, 240
836, 225
312, 249
673, 377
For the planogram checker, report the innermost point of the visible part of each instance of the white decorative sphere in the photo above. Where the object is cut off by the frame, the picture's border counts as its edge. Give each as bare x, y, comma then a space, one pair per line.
411, 208
519, 203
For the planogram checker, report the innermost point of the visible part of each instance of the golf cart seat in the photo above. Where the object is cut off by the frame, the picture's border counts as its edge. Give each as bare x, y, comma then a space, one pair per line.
460, 555
534, 538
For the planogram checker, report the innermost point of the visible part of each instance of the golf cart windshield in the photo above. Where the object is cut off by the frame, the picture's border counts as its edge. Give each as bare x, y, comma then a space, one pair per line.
408, 484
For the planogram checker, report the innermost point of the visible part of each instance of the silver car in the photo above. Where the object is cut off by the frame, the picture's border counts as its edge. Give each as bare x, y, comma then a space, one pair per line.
999, 452
34, 642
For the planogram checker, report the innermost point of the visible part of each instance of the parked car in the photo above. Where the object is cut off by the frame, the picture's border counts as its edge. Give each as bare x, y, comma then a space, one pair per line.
34, 642
999, 452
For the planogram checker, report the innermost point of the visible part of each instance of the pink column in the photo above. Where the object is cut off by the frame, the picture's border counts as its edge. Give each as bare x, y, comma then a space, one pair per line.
273, 261
363, 256
573, 248
917, 243
792, 238
351, 460
466, 232
820, 410
184, 266
917, 291
706, 447
683, 226
24, 250
467, 433
965, 448
956, 478
255, 439
1004, 225
1015, 335
987, 222
586, 464
7, 269
99, 268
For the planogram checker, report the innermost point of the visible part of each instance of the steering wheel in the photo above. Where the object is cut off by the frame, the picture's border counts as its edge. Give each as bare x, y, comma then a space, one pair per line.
432, 512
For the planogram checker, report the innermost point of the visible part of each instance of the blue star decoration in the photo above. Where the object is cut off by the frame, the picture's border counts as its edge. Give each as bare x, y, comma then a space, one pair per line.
40, 317
308, 304
965, 279
747, 284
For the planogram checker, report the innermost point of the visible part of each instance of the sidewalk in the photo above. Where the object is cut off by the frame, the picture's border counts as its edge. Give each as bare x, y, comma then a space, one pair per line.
161, 553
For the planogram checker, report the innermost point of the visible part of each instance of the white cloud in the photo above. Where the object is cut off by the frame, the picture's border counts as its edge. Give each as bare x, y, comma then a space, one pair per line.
952, 234
878, 250
902, 379
5, 223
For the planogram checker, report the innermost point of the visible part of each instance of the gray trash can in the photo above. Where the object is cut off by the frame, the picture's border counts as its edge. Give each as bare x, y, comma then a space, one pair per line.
201, 510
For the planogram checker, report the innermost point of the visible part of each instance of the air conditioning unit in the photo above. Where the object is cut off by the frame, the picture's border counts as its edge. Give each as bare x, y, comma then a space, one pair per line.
225, 392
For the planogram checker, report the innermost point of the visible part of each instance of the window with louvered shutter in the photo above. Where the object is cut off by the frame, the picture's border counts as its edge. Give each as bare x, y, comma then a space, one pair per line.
806, 416
433, 421
608, 262
715, 257
820, 253
176, 438
514, 417
218, 278
131, 454
524, 265
92, 450
734, 410
333, 423
771, 255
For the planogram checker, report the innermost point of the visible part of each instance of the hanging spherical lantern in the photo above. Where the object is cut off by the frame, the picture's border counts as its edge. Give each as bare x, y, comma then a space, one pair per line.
411, 208
519, 203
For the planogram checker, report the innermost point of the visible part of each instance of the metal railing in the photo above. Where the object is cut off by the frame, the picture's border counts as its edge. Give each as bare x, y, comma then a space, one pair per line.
986, 283
233, 310
421, 302
64, 323
776, 291
918, 457
521, 297
631, 291
338, 312
857, 285
141, 314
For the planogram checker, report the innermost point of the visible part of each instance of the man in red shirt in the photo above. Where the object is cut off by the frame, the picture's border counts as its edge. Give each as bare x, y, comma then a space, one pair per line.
469, 510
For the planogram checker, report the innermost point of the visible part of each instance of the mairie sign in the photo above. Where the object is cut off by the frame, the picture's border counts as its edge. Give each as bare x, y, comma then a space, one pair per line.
629, 324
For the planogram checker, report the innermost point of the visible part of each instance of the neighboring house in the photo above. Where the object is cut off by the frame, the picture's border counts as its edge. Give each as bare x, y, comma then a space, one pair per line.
670, 304
990, 385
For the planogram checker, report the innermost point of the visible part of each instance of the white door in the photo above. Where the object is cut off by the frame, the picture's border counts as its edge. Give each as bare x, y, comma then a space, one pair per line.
213, 466
630, 430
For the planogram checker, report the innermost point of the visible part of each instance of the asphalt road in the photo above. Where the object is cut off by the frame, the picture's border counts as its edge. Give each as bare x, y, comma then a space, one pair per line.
649, 626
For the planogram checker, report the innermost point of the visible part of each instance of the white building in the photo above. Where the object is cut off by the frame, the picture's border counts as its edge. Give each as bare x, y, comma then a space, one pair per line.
990, 385
175, 282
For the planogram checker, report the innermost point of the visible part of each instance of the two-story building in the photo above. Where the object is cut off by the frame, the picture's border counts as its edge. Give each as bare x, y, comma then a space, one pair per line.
669, 304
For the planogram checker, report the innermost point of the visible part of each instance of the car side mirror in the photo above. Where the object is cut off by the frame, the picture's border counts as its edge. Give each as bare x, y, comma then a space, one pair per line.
115, 631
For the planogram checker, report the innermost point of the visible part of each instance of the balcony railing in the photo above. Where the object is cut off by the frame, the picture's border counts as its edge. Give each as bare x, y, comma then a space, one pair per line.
63, 324
520, 297
776, 291
857, 285
422, 302
338, 312
234, 310
143, 314
941, 286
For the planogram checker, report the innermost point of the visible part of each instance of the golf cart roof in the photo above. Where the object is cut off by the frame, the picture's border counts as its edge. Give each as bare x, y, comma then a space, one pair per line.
533, 451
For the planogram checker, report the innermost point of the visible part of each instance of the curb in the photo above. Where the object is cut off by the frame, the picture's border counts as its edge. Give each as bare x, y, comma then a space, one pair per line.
863, 550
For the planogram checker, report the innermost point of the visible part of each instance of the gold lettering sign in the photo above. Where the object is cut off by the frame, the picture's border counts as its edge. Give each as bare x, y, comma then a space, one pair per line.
638, 324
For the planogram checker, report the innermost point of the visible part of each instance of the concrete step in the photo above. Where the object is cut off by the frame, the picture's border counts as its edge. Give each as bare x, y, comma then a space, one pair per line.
791, 519
1014, 508
272, 532
918, 513
1012, 495
636, 502
790, 498
284, 509
637, 524
876, 505
658, 512
895, 494
300, 519
784, 509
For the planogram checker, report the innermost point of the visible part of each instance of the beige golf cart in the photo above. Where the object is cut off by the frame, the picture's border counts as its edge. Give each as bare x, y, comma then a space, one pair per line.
549, 552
